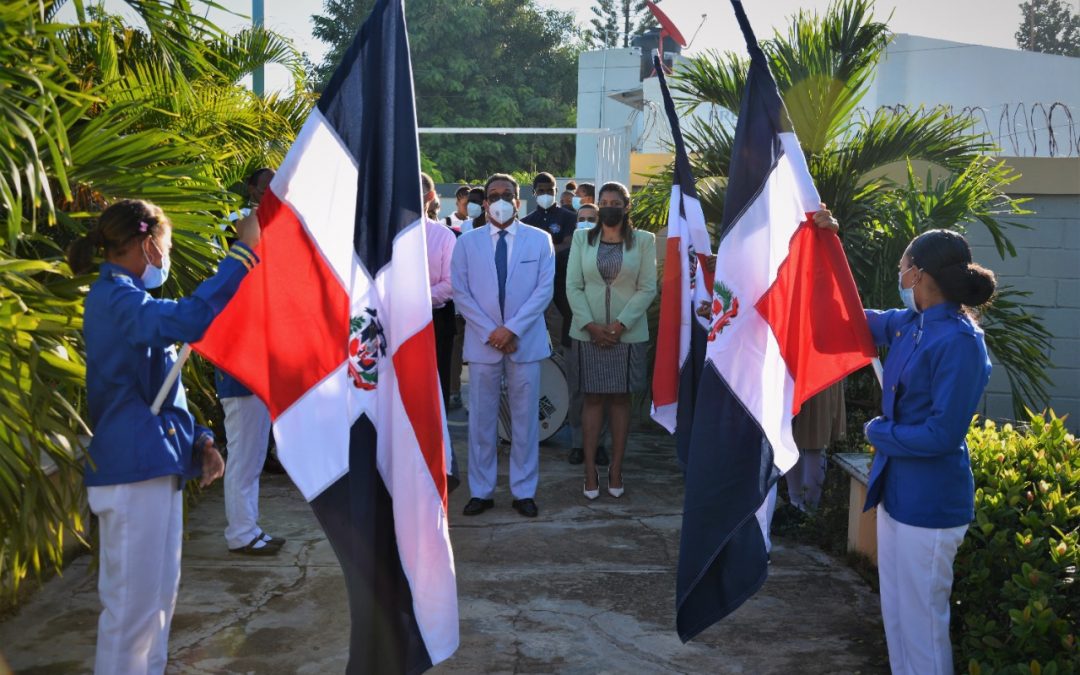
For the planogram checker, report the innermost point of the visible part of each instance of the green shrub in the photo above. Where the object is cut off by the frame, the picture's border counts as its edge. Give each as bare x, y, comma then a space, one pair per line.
1016, 597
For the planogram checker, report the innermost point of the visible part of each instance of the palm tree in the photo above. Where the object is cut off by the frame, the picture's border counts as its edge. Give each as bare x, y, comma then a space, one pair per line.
93, 112
823, 66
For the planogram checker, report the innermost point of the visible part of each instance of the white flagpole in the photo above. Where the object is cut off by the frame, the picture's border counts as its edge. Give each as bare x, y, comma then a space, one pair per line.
878, 371
170, 379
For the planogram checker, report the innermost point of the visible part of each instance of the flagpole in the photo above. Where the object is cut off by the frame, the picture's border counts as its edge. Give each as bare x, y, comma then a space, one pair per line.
876, 363
170, 379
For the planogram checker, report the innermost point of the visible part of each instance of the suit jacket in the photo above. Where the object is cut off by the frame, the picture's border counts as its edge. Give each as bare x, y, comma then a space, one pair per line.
530, 279
631, 293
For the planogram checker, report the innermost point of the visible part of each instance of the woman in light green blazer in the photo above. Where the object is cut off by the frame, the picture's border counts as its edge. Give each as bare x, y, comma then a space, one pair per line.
610, 283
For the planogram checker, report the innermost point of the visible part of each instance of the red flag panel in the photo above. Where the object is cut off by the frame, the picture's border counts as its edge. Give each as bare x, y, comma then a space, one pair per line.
297, 296
815, 313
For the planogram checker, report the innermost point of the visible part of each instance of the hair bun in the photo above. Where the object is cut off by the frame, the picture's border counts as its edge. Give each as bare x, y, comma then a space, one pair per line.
981, 284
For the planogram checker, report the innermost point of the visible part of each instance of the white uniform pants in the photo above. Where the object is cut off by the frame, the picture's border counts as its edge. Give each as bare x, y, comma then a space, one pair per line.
523, 389
140, 526
247, 426
915, 569
805, 479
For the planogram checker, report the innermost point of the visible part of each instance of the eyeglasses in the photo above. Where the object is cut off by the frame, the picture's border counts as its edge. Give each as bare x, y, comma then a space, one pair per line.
506, 197
587, 219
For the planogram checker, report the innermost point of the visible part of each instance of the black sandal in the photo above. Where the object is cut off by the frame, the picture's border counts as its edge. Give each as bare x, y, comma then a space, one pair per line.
253, 547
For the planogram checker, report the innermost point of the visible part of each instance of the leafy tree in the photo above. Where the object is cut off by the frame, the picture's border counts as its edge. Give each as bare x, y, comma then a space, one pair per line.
1049, 26
616, 22
823, 66
92, 112
479, 63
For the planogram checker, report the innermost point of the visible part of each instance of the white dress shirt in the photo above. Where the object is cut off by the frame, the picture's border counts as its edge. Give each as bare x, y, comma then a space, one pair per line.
440, 249
511, 231
458, 223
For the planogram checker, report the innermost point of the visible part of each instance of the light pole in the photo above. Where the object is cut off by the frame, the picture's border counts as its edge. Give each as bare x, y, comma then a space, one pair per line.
258, 80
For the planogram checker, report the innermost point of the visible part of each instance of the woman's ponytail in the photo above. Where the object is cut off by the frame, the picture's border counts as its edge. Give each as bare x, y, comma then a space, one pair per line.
124, 222
968, 284
80, 254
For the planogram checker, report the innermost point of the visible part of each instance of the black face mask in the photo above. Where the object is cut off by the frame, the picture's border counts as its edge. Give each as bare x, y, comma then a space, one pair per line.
612, 216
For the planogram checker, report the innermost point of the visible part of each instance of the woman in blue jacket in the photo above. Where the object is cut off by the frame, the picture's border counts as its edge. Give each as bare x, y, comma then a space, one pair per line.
138, 462
921, 482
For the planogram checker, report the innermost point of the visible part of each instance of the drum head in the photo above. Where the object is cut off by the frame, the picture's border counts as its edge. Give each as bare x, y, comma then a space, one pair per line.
554, 401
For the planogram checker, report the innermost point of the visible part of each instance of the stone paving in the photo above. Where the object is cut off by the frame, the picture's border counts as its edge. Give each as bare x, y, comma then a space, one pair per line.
588, 587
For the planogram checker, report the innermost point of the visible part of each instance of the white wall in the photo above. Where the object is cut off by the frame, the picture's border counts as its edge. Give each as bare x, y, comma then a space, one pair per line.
601, 73
918, 71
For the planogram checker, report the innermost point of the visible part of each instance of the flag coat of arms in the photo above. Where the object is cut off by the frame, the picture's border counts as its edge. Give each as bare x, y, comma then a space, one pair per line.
686, 286
787, 322
333, 331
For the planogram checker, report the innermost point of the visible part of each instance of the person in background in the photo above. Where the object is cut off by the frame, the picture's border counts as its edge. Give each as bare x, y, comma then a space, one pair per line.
921, 478
461, 207
247, 432
818, 425
477, 200
432, 209
611, 281
566, 200
138, 461
440, 249
584, 194
474, 211
503, 279
560, 224
587, 216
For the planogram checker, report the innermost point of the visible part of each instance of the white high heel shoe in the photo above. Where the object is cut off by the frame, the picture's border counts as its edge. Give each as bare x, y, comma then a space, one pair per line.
614, 492
592, 494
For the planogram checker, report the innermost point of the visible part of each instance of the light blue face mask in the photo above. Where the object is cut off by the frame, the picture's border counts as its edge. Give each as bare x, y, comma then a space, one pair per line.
154, 276
907, 295
576, 203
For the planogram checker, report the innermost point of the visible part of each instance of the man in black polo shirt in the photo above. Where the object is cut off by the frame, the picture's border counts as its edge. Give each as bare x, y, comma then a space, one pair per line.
559, 223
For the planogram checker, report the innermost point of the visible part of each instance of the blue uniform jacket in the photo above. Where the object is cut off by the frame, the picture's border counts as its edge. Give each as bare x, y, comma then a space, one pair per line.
130, 346
934, 377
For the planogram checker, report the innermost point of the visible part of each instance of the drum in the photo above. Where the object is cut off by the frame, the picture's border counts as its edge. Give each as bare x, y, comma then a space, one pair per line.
554, 400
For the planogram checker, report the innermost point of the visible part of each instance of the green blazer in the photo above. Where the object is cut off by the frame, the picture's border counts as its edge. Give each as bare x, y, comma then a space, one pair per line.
631, 293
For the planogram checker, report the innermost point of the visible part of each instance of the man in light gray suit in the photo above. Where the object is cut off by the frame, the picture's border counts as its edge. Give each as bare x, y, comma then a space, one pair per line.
503, 276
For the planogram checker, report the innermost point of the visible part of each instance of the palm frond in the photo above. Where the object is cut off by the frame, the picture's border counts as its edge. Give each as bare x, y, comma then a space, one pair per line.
234, 56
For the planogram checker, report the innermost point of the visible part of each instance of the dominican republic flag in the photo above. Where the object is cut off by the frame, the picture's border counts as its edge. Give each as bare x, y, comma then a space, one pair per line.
787, 323
333, 331
681, 337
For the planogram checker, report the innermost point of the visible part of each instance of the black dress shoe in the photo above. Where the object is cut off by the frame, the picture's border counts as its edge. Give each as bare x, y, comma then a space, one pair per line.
526, 507
601, 456
577, 456
477, 506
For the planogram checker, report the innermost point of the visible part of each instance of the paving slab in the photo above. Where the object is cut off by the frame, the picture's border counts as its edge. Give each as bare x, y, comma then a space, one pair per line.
587, 587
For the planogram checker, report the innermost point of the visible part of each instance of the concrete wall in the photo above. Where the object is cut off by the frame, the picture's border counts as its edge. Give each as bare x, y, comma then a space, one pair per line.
600, 74
925, 71
1048, 265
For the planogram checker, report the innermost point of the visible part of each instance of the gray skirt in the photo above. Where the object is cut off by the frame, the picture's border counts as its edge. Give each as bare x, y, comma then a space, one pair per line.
615, 370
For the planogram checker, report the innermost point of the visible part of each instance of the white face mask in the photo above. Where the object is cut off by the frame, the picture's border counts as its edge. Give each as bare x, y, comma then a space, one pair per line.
576, 202
907, 295
474, 210
153, 276
545, 201
501, 211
